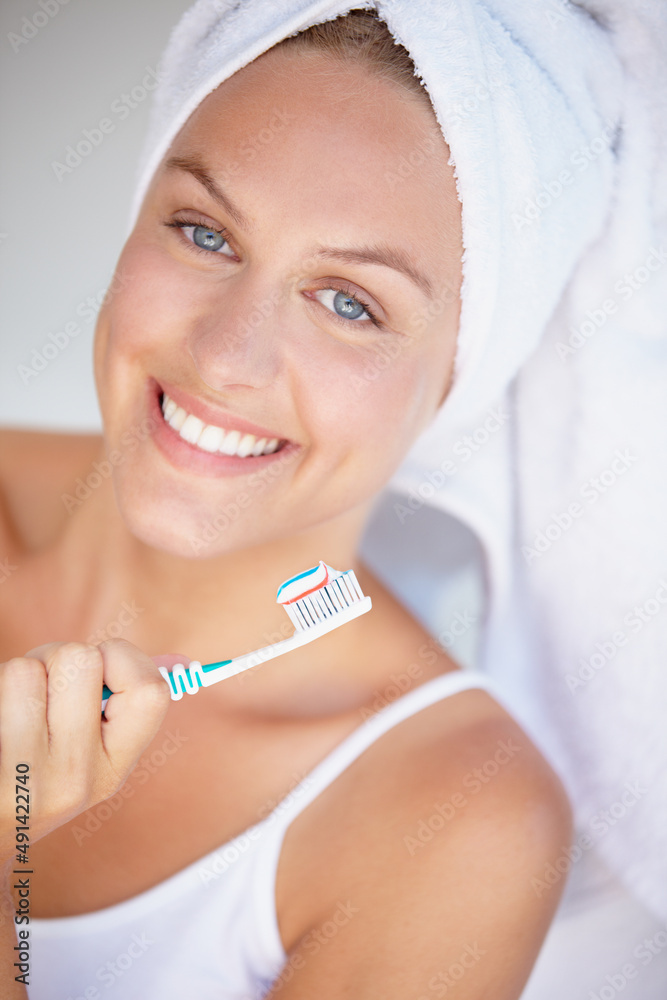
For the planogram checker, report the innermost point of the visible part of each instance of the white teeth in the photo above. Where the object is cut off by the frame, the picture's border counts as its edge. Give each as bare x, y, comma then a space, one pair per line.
246, 444
210, 438
231, 442
191, 429
177, 419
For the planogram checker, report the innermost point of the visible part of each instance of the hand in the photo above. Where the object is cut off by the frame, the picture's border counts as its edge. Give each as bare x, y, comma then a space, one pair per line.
50, 718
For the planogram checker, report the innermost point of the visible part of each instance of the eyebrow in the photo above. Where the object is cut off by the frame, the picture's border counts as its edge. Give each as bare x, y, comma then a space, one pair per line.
378, 253
199, 171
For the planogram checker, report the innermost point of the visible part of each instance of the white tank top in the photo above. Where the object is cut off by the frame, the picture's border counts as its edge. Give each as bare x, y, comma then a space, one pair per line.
210, 931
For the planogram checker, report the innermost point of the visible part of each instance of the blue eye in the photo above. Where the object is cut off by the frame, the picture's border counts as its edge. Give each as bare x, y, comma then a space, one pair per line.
344, 305
207, 239
202, 238
347, 306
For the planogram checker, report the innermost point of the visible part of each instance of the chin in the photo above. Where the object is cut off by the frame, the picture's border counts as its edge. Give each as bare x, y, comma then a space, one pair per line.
181, 528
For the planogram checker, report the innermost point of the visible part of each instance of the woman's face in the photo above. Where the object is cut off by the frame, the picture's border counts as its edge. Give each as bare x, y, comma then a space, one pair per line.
252, 293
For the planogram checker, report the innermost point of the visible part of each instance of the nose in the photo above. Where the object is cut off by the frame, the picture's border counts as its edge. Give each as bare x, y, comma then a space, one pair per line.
237, 342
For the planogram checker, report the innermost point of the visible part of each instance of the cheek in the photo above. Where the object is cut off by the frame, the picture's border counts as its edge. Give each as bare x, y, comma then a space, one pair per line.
400, 386
144, 318
366, 406
153, 304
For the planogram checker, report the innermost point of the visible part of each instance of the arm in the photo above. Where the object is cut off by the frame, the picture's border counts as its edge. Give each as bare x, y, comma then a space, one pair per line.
441, 898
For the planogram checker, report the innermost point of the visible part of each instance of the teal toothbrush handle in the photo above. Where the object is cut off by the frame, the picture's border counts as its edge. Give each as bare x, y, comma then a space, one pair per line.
173, 688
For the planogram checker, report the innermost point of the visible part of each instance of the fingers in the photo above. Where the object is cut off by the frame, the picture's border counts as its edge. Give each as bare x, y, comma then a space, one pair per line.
23, 739
138, 705
23, 732
75, 675
50, 718
78, 738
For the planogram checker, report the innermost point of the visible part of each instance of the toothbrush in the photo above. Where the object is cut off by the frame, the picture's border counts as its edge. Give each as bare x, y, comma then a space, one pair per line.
317, 601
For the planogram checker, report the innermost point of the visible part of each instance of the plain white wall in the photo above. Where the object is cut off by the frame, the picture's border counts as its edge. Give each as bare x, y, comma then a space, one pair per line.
65, 65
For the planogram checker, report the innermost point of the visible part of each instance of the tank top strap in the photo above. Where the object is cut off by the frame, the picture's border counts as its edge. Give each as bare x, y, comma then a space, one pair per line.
370, 730
261, 890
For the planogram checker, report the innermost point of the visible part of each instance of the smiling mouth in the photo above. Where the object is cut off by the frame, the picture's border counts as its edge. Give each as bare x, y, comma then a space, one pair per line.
213, 439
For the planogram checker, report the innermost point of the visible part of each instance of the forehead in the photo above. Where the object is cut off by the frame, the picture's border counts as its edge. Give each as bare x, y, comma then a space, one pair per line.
306, 76
300, 132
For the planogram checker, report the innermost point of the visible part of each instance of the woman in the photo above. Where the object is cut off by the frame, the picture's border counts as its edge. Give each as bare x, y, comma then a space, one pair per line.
406, 867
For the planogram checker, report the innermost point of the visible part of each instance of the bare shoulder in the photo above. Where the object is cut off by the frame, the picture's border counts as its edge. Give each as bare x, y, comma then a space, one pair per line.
443, 835
465, 776
36, 467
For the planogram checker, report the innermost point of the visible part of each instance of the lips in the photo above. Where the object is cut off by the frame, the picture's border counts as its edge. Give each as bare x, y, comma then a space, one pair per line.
207, 428
212, 439
211, 415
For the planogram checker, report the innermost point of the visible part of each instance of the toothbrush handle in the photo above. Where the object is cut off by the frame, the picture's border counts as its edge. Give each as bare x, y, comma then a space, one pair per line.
188, 685
183, 680
171, 679
188, 680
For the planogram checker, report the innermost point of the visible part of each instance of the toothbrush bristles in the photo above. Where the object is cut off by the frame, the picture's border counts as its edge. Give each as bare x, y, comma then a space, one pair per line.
333, 597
